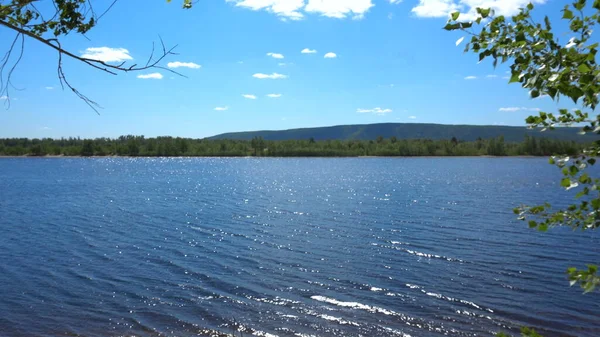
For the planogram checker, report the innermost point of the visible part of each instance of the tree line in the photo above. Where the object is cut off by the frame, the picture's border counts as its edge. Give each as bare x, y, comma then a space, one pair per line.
173, 147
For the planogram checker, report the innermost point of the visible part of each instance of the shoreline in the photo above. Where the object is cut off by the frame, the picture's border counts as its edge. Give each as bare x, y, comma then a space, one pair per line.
264, 157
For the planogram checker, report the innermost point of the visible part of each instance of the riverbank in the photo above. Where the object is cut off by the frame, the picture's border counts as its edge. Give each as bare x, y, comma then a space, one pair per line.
134, 146
262, 157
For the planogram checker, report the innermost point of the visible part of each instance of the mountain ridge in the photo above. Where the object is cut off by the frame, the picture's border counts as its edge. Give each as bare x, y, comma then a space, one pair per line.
463, 132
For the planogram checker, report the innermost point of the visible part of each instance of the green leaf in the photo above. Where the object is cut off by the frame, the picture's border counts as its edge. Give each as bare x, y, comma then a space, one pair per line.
484, 12
567, 14
455, 16
452, 26
566, 182
584, 68
573, 170
514, 78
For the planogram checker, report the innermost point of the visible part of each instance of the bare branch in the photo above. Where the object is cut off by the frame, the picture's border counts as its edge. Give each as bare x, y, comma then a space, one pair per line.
63, 81
4, 87
31, 31
100, 65
106, 11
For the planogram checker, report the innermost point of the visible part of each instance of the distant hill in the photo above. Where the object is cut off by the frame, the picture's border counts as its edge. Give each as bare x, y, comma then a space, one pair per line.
408, 131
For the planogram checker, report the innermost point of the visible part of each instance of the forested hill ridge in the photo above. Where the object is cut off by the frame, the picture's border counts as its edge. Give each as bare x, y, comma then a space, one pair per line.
408, 131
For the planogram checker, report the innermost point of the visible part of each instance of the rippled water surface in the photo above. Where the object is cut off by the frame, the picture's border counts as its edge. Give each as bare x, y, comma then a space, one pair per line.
285, 247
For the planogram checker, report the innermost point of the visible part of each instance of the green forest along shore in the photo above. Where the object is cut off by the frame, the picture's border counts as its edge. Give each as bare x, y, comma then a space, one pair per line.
389, 147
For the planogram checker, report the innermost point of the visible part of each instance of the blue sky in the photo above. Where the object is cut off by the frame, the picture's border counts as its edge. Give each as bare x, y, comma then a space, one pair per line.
370, 61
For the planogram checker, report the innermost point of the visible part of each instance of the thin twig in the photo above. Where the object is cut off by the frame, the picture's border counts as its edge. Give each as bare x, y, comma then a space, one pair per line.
100, 65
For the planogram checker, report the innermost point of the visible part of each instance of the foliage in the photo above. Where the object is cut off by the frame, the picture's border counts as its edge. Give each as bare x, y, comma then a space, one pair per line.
68, 16
544, 65
46, 23
168, 146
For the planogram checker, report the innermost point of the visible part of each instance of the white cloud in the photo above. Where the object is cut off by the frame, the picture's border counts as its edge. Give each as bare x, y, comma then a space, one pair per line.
3, 98
151, 76
45, 128
274, 95
275, 55
106, 54
308, 51
289, 9
471, 78
248, 96
395, 1
273, 76
295, 9
491, 76
178, 64
375, 111
513, 109
282, 64
434, 8
221, 108
443, 8
49, 88
412, 117
330, 55
339, 8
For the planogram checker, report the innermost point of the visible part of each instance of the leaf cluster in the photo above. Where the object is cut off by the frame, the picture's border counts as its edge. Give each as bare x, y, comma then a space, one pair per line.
544, 65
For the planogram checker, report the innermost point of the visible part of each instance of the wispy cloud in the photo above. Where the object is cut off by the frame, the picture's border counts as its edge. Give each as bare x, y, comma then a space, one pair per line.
274, 95
296, 9
178, 64
273, 76
467, 8
2, 98
151, 76
395, 1
221, 108
107, 54
288, 9
276, 55
339, 9
376, 111
412, 117
308, 51
471, 78
248, 96
282, 64
330, 55
491, 76
49, 88
515, 108
45, 128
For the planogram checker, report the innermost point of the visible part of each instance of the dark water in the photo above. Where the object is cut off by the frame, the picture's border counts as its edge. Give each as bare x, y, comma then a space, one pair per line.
285, 247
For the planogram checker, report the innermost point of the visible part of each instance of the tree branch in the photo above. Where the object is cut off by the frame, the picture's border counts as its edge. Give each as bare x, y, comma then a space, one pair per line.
100, 65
